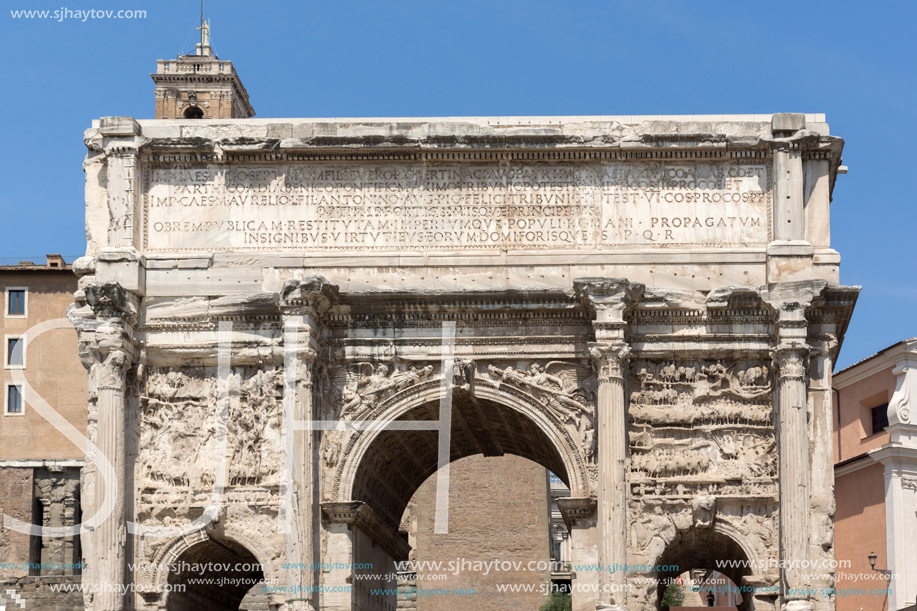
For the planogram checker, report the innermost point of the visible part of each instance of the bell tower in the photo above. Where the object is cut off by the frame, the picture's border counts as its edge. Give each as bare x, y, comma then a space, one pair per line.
200, 86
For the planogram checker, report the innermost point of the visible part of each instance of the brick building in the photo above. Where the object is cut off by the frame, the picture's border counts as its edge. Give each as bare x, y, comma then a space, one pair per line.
498, 512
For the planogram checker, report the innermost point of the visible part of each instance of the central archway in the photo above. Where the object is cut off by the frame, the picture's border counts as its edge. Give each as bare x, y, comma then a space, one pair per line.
494, 420
383, 467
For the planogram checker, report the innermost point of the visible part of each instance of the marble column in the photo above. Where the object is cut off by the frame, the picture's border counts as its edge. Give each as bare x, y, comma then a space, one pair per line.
791, 301
303, 303
107, 348
109, 536
609, 299
611, 364
793, 473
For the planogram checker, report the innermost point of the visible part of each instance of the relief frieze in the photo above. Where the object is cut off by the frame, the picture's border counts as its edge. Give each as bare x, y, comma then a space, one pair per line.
701, 421
180, 428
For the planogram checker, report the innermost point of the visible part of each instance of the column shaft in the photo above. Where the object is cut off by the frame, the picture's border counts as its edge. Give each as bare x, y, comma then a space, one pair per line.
108, 537
794, 472
612, 457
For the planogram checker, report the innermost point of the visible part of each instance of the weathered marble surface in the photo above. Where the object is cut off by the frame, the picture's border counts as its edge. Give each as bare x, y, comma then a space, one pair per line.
469, 203
455, 207
640, 304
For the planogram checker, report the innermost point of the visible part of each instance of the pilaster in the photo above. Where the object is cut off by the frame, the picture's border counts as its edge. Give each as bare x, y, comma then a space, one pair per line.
579, 516
122, 149
790, 256
821, 473
346, 523
899, 456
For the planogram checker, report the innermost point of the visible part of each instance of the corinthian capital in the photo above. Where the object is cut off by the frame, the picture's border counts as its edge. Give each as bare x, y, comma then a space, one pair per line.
105, 326
791, 361
609, 360
112, 370
110, 300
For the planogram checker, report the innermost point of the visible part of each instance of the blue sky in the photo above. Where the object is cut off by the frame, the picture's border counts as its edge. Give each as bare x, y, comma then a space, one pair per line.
853, 61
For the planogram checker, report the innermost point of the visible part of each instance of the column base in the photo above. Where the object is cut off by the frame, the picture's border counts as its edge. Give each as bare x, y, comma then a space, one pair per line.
798, 605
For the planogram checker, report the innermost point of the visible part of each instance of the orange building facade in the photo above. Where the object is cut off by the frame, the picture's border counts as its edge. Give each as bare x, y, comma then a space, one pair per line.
875, 456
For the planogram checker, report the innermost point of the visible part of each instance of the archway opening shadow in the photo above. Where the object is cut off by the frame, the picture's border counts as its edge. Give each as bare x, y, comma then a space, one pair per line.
398, 462
704, 549
213, 576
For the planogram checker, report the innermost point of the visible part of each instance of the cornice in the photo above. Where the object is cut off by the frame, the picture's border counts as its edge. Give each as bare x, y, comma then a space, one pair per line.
897, 455
167, 152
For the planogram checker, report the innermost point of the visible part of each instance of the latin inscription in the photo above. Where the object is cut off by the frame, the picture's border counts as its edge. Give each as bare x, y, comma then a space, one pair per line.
464, 207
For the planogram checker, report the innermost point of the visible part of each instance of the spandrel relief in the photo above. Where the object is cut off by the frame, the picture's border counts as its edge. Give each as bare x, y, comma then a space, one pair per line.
365, 385
566, 389
755, 522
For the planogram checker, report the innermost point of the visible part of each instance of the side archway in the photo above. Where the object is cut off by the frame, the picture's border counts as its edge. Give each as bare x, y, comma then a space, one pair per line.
721, 549
199, 571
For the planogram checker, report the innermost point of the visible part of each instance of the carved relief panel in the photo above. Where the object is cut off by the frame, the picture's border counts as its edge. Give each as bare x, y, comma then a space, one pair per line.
703, 455
701, 421
181, 423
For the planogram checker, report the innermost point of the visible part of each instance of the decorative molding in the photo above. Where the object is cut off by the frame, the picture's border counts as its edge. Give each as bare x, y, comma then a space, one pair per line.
574, 509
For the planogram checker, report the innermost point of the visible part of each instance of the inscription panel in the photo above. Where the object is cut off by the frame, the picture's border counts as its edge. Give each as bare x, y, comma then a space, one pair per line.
387, 207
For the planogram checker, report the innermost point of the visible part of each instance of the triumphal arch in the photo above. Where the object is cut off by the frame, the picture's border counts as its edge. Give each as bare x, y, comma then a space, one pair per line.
290, 324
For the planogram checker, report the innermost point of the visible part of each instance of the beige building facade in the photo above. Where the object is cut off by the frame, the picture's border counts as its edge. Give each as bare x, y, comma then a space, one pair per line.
42, 380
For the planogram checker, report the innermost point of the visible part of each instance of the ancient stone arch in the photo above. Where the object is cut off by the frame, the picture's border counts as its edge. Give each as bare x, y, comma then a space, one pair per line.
649, 307
720, 549
157, 581
572, 467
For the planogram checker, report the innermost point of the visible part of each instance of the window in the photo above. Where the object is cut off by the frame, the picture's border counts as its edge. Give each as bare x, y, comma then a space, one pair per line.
16, 301
13, 399
879, 418
15, 352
